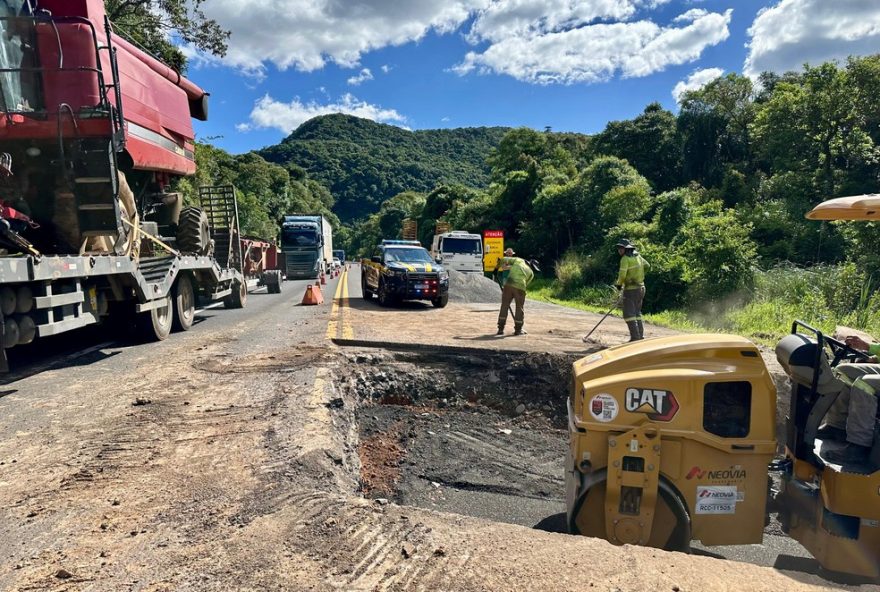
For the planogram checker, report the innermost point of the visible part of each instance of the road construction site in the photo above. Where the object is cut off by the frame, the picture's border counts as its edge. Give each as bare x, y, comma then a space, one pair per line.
342, 446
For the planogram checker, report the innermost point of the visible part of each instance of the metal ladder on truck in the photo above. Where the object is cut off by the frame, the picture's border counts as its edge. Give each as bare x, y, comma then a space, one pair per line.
221, 207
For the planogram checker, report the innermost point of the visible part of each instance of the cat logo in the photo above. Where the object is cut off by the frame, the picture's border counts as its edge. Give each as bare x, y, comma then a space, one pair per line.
658, 405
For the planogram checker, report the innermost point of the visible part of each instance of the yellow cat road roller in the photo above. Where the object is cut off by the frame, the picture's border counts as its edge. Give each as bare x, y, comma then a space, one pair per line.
673, 440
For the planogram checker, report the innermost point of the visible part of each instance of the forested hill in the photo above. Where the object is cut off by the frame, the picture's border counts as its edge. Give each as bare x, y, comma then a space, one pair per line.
364, 163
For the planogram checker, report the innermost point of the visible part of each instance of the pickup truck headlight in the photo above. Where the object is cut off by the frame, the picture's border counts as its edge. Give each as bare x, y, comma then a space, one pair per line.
444, 276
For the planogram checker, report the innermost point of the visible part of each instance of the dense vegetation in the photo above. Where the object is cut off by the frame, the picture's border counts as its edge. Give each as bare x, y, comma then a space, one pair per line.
714, 196
363, 163
266, 191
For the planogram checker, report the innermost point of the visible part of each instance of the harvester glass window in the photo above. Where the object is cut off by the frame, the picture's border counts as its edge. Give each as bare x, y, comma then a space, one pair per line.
18, 88
727, 408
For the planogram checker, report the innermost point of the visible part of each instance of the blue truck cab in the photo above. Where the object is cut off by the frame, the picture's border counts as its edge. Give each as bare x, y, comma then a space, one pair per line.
404, 270
307, 244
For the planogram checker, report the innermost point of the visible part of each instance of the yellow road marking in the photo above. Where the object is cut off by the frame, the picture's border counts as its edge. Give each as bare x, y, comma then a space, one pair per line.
332, 325
347, 332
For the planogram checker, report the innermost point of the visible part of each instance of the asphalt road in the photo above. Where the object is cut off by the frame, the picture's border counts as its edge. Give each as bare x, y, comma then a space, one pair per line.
49, 374
268, 319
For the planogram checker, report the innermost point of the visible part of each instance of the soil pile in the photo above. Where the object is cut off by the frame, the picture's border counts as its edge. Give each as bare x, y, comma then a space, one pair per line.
472, 287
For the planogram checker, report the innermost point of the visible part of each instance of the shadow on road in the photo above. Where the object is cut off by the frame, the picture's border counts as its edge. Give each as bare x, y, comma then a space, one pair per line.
553, 523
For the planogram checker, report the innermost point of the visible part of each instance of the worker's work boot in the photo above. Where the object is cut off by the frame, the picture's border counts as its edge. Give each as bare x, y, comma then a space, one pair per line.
633, 327
829, 432
851, 453
519, 331
641, 329
500, 331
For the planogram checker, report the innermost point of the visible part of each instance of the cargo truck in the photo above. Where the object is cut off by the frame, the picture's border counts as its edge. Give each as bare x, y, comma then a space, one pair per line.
307, 244
93, 133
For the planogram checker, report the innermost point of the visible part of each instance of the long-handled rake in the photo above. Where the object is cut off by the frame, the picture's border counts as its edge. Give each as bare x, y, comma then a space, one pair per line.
596, 326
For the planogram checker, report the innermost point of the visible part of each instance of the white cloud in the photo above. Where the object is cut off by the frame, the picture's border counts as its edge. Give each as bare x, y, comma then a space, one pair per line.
695, 81
794, 32
445, 119
691, 15
269, 113
597, 52
541, 41
386, 68
306, 34
504, 19
363, 76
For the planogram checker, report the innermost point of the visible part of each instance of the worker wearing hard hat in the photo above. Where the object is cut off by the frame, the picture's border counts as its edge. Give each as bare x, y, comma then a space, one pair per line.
851, 417
631, 280
519, 277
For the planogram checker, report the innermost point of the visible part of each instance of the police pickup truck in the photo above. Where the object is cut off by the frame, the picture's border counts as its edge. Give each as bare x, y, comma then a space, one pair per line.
404, 270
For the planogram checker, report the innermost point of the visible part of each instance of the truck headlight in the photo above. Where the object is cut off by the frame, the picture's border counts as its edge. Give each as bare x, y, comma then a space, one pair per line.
444, 276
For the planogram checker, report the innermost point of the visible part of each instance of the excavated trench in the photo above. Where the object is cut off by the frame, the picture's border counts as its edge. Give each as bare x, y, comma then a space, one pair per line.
481, 434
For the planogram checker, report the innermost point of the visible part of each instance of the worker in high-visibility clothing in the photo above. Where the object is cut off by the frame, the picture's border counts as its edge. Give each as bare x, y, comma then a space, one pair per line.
852, 416
631, 280
518, 278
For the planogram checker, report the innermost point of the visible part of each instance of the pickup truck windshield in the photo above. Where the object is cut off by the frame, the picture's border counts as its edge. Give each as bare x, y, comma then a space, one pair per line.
462, 245
414, 255
299, 237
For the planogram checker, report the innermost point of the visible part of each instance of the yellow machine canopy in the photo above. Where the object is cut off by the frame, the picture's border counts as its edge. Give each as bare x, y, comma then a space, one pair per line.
857, 207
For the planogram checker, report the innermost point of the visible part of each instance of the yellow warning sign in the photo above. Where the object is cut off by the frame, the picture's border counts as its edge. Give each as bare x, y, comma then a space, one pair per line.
493, 248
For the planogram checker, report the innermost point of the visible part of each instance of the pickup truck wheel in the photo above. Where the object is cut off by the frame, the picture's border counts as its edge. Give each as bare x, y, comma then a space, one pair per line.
155, 324
364, 290
238, 298
184, 304
383, 294
441, 301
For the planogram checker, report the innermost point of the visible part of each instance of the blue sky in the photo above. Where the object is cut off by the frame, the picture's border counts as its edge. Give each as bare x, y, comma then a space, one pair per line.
572, 65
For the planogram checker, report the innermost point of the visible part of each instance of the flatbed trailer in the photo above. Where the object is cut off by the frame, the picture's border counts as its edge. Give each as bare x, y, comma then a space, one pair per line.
49, 295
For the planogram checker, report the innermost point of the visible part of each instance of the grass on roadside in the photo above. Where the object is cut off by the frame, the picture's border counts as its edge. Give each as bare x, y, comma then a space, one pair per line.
822, 297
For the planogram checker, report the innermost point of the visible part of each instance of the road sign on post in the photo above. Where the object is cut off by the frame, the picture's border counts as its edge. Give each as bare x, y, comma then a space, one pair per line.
493, 248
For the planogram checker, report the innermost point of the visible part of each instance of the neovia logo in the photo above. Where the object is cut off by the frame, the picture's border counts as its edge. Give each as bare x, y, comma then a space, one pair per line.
658, 405
730, 474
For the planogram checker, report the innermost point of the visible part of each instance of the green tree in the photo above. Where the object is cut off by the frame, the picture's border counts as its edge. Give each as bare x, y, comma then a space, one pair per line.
154, 24
650, 143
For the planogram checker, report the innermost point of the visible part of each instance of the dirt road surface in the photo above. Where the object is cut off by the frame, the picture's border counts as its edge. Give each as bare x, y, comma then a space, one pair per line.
237, 456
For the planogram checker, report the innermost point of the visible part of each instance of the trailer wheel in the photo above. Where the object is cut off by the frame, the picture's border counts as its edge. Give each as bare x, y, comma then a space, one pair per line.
184, 303
238, 298
193, 232
155, 325
274, 284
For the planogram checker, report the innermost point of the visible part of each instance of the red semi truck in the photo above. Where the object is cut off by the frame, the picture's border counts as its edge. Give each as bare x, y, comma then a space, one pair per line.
93, 132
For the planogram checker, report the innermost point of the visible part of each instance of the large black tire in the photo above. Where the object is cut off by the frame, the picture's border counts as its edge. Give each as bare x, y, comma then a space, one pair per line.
193, 232
184, 303
384, 295
238, 298
441, 301
273, 282
155, 324
364, 289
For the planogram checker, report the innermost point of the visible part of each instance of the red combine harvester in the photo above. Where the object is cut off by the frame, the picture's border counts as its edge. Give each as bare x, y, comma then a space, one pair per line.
93, 131
263, 261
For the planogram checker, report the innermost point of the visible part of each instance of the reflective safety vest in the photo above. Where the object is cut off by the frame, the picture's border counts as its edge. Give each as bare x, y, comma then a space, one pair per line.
632, 271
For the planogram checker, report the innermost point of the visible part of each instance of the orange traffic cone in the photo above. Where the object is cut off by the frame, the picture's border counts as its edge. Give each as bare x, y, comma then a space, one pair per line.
313, 295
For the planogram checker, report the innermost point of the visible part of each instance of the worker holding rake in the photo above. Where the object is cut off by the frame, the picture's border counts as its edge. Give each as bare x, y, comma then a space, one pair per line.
519, 276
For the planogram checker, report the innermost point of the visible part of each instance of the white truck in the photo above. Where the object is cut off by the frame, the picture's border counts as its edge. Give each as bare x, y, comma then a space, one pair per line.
459, 250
